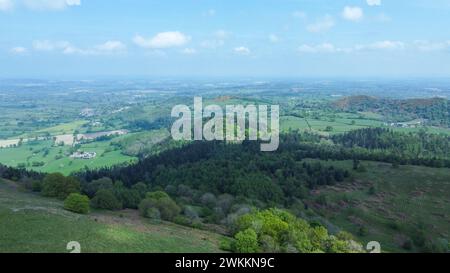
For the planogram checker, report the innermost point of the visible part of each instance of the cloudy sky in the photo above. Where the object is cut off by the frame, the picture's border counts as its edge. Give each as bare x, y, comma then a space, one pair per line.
290, 38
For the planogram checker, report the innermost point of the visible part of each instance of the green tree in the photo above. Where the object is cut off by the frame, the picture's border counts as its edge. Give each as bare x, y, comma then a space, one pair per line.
77, 203
57, 185
161, 201
105, 199
246, 241
93, 187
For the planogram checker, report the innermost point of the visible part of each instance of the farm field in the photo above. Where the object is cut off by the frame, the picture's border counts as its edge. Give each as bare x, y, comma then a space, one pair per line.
56, 158
339, 125
31, 223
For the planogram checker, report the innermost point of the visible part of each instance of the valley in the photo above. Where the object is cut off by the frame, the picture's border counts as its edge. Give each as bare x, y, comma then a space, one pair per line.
365, 168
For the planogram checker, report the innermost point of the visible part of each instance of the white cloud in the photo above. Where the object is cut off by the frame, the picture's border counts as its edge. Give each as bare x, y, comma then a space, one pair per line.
65, 47
428, 46
242, 50
386, 45
46, 45
189, 51
212, 44
321, 48
330, 48
390, 45
353, 13
374, 2
69, 50
162, 40
19, 50
50, 4
273, 38
217, 40
111, 46
6, 5
321, 25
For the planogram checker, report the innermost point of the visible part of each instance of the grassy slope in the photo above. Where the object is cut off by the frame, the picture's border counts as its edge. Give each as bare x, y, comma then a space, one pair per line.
405, 198
30, 223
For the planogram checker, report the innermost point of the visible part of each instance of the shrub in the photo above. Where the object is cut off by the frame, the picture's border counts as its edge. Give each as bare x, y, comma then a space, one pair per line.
105, 199
226, 244
77, 203
208, 199
57, 185
141, 188
157, 195
269, 244
246, 241
162, 202
153, 213
145, 205
280, 231
93, 187
129, 198
168, 208
181, 220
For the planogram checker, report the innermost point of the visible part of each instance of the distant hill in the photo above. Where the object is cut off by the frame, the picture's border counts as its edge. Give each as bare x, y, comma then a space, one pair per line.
435, 111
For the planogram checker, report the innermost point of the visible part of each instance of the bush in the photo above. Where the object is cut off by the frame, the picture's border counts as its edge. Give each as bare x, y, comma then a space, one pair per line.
105, 199
93, 187
153, 213
246, 241
129, 198
279, 231
157, 195
182, 220
226, 244
77, 203
144, 207
162, 202
57, 185
141, 188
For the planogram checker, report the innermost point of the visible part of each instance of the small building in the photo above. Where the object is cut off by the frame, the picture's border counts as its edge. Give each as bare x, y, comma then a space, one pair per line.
83, 155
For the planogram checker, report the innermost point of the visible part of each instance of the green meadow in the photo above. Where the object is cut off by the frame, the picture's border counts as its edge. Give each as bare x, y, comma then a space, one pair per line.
57, 158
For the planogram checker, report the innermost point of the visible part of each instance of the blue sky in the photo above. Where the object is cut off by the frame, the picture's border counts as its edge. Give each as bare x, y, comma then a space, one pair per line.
276, 38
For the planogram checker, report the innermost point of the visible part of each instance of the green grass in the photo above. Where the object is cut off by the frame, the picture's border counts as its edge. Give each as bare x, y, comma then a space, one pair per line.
344, 123
405, 199
339, 125
65, 128
35, 152
30, 223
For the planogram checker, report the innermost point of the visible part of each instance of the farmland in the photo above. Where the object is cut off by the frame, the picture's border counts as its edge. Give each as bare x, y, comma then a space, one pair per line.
396, 194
